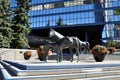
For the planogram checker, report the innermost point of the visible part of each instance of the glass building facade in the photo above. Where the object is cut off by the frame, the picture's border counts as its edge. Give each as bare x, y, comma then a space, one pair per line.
100, 16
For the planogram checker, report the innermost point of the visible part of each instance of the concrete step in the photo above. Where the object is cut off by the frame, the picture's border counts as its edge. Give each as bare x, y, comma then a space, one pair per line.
60, 71
64, 65
20, 72
60, 76
115, 77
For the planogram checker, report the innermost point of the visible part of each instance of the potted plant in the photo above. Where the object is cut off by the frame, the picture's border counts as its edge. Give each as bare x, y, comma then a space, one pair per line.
99, 52
41, 52
111, 49
27, 55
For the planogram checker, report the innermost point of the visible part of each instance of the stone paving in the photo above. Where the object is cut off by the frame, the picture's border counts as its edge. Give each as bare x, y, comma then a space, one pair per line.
85, 69
66, 70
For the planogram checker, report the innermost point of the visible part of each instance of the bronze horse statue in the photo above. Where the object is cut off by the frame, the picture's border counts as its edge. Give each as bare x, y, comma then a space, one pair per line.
77, 44
57, 47
85, 45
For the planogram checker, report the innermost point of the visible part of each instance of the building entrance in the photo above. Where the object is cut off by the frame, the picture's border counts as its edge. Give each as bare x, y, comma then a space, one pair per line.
92, 34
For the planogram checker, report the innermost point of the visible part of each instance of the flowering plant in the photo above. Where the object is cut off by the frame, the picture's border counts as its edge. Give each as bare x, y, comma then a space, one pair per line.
27, 54
41, 52
99, 49
41, 49
111, 49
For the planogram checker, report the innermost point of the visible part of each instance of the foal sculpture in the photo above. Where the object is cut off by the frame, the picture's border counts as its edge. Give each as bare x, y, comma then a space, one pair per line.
77, 44
74, 46
85, 45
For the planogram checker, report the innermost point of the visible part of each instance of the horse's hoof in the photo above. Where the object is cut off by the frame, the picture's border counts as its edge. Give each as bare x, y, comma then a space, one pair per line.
58, 61
71, 61
45, 61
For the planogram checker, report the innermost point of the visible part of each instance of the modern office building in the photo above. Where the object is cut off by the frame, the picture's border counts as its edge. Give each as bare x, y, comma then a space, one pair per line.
90, 20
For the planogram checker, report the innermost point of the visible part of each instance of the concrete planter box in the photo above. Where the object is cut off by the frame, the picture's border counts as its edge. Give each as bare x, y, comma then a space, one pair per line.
15, 54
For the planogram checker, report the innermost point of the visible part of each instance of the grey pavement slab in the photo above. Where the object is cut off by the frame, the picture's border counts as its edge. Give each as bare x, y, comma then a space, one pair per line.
64, 65
88, 70
20, 72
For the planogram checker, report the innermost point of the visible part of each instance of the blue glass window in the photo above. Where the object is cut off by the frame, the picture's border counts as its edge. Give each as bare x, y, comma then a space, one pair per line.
116, 18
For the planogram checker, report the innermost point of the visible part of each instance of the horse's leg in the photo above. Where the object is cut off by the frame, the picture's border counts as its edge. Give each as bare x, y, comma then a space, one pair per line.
88, 49
57, 57
83, 50
71, 60
60, 55
45, 52
80, 50
45, 59
77, 49
77, 53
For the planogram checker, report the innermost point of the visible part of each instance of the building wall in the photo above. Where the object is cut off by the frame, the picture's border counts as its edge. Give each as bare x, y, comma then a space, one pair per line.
74, 13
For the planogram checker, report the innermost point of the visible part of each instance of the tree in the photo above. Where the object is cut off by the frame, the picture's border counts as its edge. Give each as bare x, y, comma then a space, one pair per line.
5, 24
117, 11
117, 26
59, 22
21, 25
48, 23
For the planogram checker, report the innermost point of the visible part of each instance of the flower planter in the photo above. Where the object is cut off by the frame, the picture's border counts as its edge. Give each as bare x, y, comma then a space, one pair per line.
40, 52
99, 52
111, 49
41, 55
27, 55
99, 58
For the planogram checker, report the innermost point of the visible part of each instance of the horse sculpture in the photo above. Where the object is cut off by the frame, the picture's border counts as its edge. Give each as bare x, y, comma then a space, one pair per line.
57, 47
77, 44
74, 46
85, 45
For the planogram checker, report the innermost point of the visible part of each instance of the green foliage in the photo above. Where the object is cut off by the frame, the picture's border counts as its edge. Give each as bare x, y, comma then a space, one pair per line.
48, 23
59, 22
5, 24
118, 45
117, 11
115, 44
117, 26
111, 43
21, 25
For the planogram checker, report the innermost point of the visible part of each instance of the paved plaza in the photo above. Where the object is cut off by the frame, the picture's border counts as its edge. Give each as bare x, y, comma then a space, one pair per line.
86, 69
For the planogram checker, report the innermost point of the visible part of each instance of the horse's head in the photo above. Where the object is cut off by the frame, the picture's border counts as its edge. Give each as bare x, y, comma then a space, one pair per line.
54, 36
87, 46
